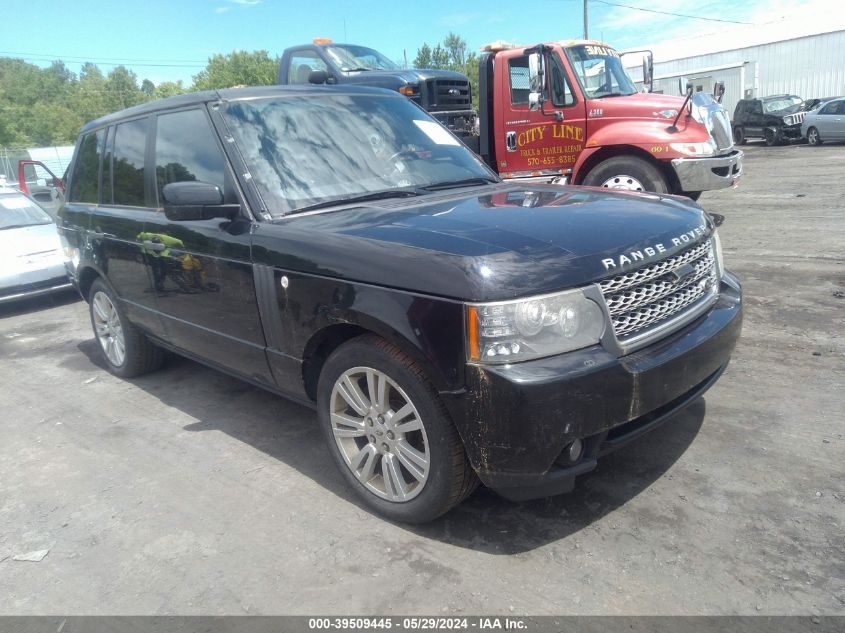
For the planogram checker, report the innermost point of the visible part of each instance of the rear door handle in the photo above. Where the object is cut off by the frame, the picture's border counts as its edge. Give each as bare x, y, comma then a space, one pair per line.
153, 246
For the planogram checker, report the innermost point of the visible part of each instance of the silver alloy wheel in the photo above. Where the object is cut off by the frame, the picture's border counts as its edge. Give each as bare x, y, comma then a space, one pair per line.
380, 434
108, 328
628, 183
813, 136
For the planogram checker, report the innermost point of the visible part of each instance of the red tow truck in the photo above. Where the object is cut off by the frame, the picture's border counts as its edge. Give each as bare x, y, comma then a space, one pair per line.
569, 112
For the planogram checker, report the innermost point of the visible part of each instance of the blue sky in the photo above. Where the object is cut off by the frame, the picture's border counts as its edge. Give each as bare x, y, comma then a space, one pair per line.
171, 39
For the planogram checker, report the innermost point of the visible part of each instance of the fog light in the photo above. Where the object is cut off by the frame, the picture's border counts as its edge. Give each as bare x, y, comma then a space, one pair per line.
574, 450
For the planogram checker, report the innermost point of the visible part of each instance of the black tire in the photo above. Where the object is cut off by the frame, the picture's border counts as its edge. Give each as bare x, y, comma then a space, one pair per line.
771, 137
450, 478
739, 136
620, 167
140, 355
813, 137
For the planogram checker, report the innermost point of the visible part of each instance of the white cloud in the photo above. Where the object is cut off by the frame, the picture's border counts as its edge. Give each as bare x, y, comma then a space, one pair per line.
221, 9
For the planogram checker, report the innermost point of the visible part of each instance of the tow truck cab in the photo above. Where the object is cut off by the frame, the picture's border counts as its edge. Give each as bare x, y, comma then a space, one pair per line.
569, 112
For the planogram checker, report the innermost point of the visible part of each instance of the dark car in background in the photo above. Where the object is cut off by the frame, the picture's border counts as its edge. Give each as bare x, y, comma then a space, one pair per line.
776, 119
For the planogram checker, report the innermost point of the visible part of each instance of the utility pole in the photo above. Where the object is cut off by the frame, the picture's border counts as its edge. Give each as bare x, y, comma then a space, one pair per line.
586, 36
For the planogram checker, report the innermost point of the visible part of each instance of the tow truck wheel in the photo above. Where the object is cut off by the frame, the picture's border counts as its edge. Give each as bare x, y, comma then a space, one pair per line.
813, 137
628, 173
739, 136
389, 434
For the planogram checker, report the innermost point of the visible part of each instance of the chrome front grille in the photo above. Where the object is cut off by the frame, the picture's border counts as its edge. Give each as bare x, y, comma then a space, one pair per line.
721, 130
794, 119
646, 298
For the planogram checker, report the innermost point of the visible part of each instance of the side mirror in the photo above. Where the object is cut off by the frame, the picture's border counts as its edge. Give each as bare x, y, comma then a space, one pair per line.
193, 200
318, 77
535, 82
535, 72
690, 88
719, 91
648, 72
681, 83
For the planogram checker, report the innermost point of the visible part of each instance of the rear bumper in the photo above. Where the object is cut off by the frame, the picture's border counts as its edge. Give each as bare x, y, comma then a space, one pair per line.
38, 279
35, 289
517, 420
707, 174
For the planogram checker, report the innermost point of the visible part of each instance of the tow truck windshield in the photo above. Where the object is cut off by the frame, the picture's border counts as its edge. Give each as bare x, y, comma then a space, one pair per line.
600, 71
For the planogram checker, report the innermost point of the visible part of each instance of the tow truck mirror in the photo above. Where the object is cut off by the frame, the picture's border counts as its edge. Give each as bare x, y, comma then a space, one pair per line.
535, 82
718, 91
648, 73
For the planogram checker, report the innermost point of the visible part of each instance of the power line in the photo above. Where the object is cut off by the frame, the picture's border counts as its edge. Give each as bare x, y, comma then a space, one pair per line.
677, 15
71, 61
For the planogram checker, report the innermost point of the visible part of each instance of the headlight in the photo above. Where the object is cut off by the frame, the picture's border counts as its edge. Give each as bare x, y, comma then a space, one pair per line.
694, 149
717, 254
512, 331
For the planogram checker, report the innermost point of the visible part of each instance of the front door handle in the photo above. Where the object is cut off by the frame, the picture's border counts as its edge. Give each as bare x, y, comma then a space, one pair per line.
510, 141
153, 246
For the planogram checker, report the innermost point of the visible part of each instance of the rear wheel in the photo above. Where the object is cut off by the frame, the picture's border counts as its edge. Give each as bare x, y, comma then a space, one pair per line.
739, 136
629, 173
389, 434
126, 351
813, 137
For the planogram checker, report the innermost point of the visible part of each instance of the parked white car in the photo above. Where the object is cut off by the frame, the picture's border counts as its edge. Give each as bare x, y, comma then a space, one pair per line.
825, 123
31, 258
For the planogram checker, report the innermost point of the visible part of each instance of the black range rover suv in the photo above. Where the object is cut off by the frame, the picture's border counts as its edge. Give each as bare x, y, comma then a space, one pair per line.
338, 246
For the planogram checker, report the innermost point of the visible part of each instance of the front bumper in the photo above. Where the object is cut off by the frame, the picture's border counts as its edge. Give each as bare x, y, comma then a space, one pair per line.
516, 420
34, 280
707, 174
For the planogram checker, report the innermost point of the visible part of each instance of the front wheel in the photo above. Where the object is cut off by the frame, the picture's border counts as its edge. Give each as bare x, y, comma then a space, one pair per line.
739, 136
813, 137
389, 434
628, 173
771, 138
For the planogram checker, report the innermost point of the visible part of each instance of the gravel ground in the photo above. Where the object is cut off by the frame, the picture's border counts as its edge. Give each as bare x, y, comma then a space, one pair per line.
189, 492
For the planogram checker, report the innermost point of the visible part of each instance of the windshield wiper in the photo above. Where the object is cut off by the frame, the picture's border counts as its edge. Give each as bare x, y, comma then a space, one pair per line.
350, 70
466, 182
374, 195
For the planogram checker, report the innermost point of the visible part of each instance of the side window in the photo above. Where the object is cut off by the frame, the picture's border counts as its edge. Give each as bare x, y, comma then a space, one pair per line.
301, 64
86, 169
561, 91
186, 150
831, 108
520, 86
130, 142
757, 107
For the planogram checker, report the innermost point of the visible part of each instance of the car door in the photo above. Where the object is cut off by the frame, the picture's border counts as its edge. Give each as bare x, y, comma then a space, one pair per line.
36, 179
834, 121
117, 224
201, 269
754, 118
530, 142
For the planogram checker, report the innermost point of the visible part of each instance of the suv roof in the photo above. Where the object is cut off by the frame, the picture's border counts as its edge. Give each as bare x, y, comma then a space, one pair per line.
232, 94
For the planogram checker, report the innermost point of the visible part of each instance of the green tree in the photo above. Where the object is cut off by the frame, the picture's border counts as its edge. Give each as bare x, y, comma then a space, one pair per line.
451, 55
238, 68
148, 88
169, 89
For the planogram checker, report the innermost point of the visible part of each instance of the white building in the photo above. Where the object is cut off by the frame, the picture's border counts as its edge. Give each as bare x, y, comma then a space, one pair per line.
800, 54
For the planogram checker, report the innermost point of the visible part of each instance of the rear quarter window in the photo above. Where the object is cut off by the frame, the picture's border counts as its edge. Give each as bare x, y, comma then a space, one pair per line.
130, 143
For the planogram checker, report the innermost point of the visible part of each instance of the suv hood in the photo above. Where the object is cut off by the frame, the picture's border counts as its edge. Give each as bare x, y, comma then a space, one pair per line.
390, 78
496, 242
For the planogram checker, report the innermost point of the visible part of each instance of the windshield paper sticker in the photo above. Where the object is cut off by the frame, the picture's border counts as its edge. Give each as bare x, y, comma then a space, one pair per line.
436, 133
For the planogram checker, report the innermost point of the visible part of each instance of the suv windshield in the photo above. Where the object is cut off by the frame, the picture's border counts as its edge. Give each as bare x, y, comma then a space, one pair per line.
314, 150
600, 71
782, 103
359, 58
17, 211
